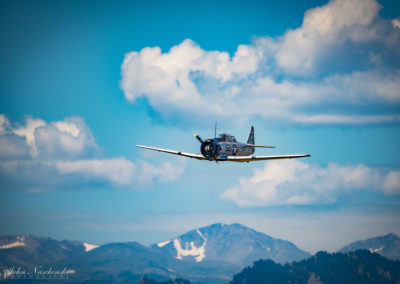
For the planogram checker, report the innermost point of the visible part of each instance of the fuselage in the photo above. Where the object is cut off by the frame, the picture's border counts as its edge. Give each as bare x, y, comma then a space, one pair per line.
223, 146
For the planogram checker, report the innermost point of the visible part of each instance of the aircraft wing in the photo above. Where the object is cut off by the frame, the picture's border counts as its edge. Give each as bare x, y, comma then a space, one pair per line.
179, 153
261, 158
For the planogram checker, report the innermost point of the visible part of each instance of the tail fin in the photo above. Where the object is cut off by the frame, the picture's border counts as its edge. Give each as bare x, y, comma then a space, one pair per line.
251, 136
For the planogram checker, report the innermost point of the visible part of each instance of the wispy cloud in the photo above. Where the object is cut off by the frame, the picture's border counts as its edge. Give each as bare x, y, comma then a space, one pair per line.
40, 156
346, 119
295, 182
343, 55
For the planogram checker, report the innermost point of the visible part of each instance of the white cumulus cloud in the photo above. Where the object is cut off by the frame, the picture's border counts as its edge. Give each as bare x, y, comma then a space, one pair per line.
40, 156
343, 54
3, 123
28, 132
295, 182
118, 171
391, 184
165, 172
69, 138
324, 29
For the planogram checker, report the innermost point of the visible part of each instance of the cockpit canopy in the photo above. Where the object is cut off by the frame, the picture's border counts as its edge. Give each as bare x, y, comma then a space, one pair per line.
225, 137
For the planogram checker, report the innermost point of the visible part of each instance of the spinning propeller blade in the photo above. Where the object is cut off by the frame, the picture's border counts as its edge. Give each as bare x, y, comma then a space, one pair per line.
198, 138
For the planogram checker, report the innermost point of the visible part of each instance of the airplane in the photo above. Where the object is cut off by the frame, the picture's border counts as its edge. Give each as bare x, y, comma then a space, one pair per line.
226, 148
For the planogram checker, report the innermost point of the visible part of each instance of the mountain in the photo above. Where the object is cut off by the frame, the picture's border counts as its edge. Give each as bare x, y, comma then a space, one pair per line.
27, 251
234, 243
119, 262
360, 266
211, 254
388, 246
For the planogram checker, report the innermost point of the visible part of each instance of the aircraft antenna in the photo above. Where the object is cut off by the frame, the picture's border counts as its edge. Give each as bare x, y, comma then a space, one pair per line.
215, 129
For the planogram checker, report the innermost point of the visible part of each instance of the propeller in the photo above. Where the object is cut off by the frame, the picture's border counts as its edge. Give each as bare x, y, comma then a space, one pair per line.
198, 138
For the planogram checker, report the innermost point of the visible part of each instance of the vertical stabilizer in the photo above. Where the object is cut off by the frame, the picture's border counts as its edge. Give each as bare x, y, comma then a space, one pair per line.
251, 136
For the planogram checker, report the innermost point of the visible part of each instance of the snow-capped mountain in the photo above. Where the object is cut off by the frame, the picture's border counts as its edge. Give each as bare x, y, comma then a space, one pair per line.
388, 246
211, 254
234, 243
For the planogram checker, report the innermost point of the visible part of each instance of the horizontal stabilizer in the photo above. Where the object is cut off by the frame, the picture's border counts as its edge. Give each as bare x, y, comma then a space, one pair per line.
259, 146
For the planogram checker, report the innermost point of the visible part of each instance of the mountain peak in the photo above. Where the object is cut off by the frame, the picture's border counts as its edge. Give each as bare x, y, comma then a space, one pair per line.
214, 226
387, 245
234, 228
391, 235
234, 243
221, 225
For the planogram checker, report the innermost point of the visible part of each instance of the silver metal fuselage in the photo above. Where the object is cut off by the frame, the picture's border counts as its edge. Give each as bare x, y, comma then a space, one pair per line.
234, 149
219, 148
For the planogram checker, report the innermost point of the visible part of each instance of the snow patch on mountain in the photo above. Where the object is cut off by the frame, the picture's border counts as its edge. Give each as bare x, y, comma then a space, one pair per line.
89, 247
12, 245
190, 249
267, 248
160, 245
18, 243
377, 250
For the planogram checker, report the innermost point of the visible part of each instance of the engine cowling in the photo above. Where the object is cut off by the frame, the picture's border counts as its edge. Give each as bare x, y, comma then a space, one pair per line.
209, 149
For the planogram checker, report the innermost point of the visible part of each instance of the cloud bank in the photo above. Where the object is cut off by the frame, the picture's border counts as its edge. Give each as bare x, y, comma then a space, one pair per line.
293, 182
40, 156
339, 63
